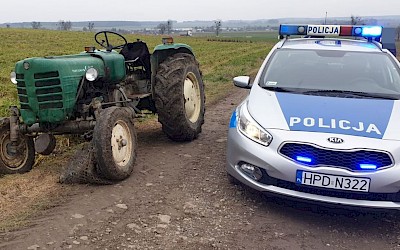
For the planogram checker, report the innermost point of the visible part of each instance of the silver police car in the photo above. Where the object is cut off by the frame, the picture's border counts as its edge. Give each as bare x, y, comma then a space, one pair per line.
322, 120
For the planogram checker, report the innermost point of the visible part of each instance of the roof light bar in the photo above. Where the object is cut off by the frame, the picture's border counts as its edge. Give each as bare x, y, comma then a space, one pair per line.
371, 31
331, 30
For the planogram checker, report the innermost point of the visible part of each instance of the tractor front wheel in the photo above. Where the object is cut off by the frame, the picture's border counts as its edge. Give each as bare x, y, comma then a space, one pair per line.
20, 161
179, 97
115, 143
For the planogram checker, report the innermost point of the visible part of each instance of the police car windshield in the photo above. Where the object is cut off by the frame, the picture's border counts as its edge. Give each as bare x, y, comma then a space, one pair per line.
302, 70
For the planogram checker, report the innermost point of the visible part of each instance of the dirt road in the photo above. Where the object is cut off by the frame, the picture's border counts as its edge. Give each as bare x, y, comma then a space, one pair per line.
179, 198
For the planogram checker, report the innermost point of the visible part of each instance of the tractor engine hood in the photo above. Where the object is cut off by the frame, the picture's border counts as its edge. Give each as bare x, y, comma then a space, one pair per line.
47, 86
110, 65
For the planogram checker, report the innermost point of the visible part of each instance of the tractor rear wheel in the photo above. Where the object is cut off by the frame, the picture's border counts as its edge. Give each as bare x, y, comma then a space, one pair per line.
115, 143
20, 161
179, 97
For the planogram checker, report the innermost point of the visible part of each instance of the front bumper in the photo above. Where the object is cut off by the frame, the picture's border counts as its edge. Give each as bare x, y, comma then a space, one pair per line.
280, 173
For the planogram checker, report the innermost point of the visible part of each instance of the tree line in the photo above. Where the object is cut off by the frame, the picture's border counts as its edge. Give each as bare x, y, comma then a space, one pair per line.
167, 27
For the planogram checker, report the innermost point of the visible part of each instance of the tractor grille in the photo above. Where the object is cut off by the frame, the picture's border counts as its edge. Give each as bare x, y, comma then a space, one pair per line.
47, 83
47, 88
51, 74
48, 91
21, 90
349, 159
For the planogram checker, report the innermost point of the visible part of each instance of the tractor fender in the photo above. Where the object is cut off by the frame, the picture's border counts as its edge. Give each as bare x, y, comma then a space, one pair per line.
163, 51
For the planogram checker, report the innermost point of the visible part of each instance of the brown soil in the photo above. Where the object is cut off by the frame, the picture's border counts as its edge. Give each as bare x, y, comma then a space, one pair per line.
178, 197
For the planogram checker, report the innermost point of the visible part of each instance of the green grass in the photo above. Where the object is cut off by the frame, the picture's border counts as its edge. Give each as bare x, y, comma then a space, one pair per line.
253, 36
219, 61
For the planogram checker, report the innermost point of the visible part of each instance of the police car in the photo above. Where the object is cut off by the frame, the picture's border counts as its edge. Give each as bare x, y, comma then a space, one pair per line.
322, 120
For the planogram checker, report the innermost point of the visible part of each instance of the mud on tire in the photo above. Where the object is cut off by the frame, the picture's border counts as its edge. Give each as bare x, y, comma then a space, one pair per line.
14, 163
115, 143
179, 97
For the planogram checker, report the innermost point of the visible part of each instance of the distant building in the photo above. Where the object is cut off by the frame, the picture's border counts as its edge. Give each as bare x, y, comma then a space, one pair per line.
186, 33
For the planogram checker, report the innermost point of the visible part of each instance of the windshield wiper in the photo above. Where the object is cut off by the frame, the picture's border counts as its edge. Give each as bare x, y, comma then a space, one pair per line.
282, 89
354, 93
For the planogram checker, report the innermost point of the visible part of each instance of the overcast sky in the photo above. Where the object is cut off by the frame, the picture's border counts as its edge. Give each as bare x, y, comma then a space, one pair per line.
187, 10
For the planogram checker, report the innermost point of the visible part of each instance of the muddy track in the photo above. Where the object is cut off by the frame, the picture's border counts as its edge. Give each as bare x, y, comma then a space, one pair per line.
178, 197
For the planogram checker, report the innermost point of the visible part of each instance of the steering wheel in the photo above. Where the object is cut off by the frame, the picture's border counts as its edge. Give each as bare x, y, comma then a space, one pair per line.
105, 43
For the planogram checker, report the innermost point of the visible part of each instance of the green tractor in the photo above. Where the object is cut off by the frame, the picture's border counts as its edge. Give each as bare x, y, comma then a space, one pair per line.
97, 94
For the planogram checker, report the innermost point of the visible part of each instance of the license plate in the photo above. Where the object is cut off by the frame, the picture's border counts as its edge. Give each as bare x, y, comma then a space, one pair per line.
357, 184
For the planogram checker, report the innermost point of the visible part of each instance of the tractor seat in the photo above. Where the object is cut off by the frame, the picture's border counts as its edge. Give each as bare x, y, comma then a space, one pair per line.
137, 54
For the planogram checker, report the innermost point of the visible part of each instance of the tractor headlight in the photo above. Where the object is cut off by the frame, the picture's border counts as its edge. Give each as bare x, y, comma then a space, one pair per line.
251, 129
91, 74
13, 77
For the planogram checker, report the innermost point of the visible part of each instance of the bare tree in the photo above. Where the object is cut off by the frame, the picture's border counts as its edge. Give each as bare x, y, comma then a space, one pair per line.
36, 25
8, 25
91, 26
398, 33
64, 25
218, 24
356, 20
162, 27
169, 26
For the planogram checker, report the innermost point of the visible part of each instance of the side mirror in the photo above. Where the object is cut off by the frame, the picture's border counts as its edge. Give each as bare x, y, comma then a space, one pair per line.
242, 82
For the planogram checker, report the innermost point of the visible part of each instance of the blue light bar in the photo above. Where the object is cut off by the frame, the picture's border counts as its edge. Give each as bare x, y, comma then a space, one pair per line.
331, 30
371, 31
287, 30
304, 159
368, 166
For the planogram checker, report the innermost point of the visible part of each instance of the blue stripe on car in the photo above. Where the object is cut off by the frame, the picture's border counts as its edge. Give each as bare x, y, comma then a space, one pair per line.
233, 121
349, 116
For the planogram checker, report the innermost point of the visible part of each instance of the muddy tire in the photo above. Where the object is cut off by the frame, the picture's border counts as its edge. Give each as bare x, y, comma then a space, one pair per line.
115, 143
19, 162
179, 97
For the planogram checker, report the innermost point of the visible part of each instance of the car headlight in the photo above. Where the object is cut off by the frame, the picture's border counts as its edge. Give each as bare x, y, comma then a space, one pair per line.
91, 74
13, 77
251, 129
